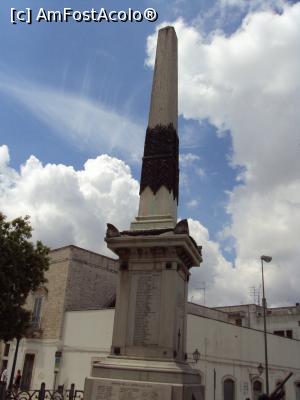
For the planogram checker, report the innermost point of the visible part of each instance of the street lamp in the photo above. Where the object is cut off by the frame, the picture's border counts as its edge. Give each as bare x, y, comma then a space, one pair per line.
266, 259
260, 369
196, 356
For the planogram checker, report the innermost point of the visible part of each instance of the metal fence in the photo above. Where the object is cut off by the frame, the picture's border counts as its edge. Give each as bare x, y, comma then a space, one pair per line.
41, 394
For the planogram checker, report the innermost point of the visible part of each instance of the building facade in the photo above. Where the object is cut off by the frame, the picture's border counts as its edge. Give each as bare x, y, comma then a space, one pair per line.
282, 321
72, 323
76, 279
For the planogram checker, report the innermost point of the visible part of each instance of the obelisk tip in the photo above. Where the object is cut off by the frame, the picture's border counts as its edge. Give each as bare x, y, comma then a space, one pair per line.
168, 27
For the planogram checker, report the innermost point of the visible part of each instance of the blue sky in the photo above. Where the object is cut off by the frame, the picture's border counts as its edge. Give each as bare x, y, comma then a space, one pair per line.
103, 62
70, 92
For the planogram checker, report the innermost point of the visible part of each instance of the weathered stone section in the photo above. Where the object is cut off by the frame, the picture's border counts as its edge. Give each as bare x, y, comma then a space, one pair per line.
53, 295
92, 281
77, 279
160, 161
105, 389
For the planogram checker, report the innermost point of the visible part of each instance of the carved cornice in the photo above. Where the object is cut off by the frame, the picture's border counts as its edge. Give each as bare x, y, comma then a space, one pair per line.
180, 229
160, 161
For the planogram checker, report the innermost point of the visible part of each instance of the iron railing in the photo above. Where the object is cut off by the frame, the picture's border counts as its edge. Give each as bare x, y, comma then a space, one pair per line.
41, 394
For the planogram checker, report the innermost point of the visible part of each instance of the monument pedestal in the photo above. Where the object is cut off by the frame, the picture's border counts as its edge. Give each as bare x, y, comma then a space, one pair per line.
122, 379
150, 316
116, 389
148, 354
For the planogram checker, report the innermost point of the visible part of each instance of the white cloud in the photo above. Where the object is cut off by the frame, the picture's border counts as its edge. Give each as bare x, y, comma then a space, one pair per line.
193, 203
200, 172
86, 123
7, 175
68, 206
188, 165
224, 15
4, 156
186, 159
252, 5
248, 83
72, 207
223, 283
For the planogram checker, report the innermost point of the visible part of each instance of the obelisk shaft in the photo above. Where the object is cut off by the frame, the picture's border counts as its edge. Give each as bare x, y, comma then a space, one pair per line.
164, 95
160, 172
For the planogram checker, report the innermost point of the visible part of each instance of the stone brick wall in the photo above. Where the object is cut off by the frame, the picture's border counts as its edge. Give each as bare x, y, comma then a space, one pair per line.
77, 279
53, 295
53, 310
91, 282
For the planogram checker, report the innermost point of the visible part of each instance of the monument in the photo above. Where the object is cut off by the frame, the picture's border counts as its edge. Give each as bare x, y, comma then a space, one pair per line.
148, 359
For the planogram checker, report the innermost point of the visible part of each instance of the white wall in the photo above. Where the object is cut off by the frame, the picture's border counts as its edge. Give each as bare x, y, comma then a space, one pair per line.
230, 350
281, 322
43, 368
86, 335
236, 352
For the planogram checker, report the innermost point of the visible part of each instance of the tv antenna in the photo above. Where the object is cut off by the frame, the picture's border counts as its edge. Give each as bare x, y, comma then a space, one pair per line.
255, 294
203, 288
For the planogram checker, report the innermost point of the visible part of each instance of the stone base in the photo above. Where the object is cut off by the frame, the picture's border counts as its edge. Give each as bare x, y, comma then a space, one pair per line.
156, 211
153, 222
117, 389
120, 379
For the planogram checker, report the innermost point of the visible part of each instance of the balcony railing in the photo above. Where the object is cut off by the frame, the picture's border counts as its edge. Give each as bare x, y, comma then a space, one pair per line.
35, 322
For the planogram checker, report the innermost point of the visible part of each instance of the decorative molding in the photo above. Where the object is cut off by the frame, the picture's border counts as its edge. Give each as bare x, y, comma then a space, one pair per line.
182, 227
112, 231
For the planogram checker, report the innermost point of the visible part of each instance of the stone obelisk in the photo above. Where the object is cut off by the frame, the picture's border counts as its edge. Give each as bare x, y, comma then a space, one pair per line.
160, 173
148, 357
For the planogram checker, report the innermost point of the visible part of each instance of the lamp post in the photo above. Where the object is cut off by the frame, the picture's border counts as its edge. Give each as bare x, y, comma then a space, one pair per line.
267, 259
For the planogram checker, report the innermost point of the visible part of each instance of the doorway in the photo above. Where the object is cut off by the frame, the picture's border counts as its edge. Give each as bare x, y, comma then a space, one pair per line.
27, 371
229, 389
297, 387
257, 389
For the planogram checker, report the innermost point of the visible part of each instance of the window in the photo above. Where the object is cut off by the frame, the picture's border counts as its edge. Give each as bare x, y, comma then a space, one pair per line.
229, 389
36, 313
279, 333
289, 333
257, 389
27, 371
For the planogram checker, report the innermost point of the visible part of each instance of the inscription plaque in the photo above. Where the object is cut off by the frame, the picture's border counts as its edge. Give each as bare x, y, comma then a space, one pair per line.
147, 306
104, 389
